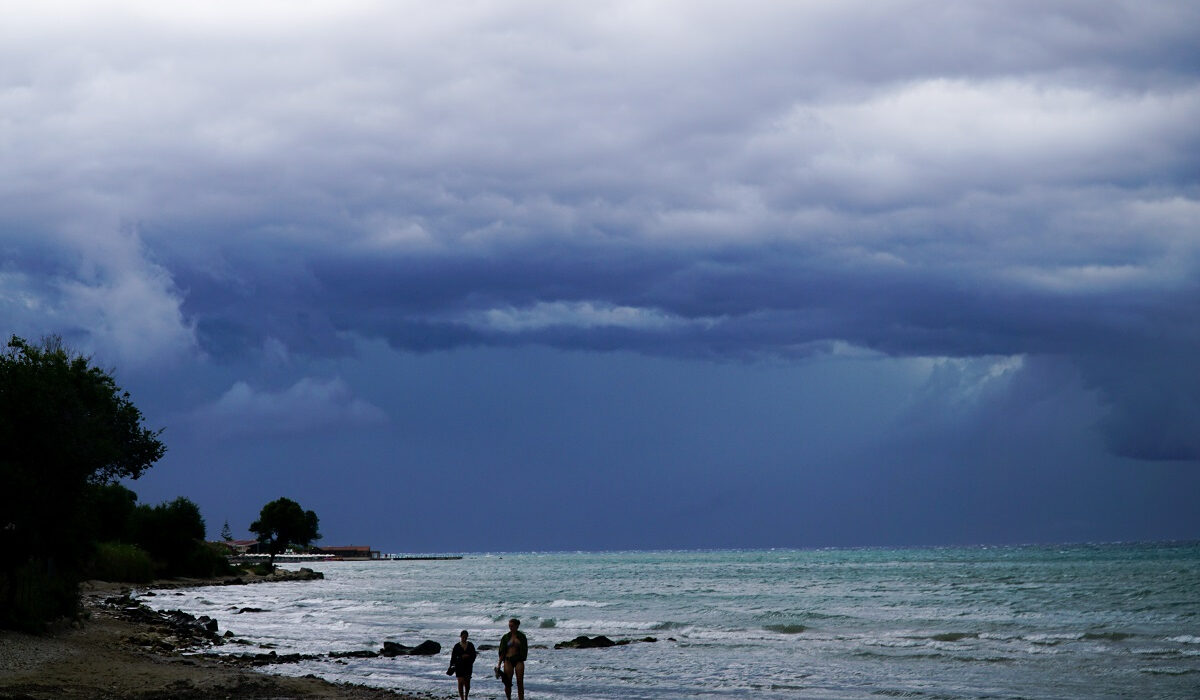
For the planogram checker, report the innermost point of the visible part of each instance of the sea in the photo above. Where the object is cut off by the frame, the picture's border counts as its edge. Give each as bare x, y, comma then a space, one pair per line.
1065, 622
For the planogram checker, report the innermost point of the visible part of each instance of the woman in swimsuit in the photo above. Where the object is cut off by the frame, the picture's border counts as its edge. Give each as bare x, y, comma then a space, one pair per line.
514, 647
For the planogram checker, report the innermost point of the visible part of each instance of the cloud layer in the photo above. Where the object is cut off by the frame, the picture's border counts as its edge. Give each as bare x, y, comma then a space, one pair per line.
679, 179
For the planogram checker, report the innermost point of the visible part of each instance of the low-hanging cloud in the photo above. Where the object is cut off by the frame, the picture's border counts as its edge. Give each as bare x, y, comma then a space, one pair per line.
573, 315
308, 405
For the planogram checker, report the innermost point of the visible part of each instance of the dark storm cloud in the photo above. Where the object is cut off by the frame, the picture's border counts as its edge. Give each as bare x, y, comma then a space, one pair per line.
913, 179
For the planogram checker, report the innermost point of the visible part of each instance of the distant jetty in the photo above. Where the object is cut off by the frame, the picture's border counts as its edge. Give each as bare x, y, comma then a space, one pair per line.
310, 558
250, 552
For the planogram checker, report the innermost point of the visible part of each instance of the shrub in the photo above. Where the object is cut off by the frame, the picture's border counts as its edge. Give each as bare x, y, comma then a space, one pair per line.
116, 561
206, 560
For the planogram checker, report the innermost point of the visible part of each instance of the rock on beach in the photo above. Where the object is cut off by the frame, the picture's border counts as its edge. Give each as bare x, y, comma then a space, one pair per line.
121, 650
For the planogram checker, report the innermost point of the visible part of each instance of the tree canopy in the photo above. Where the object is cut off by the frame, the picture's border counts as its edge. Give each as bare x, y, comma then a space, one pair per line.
65, 426
283, 522
169, 532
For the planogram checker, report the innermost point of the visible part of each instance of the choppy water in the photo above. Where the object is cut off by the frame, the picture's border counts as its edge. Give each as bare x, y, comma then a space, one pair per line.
1086, 622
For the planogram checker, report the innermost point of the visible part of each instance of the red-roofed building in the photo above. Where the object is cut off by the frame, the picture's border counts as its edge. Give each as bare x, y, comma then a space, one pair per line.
350, 552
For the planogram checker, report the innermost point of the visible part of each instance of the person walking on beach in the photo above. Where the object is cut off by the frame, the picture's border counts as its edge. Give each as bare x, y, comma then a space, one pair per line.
462, 662
514, 647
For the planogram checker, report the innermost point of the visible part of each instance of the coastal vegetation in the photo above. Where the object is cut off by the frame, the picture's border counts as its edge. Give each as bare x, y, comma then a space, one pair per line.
139, 543
69, 434
66, 429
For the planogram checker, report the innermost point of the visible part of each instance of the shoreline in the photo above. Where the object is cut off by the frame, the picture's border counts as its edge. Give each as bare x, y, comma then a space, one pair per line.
119, 651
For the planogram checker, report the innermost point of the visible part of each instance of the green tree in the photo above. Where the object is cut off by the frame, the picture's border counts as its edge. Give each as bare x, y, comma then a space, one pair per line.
65, 426
226, 533
170, 533
109, 510
283, 522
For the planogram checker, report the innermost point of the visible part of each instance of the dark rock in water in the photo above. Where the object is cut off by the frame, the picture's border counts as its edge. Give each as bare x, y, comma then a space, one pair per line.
486, 647
623, 642
425, 648
249, 610
585, 642
598, 642
363, 654
391, 649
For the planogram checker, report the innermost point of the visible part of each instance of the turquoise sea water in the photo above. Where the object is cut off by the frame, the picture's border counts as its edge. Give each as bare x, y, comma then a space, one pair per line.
1086, 622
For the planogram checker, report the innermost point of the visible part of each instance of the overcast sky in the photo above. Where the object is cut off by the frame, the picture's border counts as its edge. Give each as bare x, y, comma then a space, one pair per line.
488, 276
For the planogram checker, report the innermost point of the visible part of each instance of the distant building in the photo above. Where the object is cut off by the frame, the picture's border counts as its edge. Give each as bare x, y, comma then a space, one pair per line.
238, 547
349, 552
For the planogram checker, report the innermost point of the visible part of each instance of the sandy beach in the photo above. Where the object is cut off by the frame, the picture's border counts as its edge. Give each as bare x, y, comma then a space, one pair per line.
120, 653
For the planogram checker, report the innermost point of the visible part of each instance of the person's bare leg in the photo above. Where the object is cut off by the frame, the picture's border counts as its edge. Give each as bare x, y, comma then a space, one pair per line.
508, 679
520, 669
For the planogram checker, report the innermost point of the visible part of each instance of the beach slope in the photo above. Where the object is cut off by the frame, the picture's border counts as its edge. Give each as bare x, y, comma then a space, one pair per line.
105, 657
